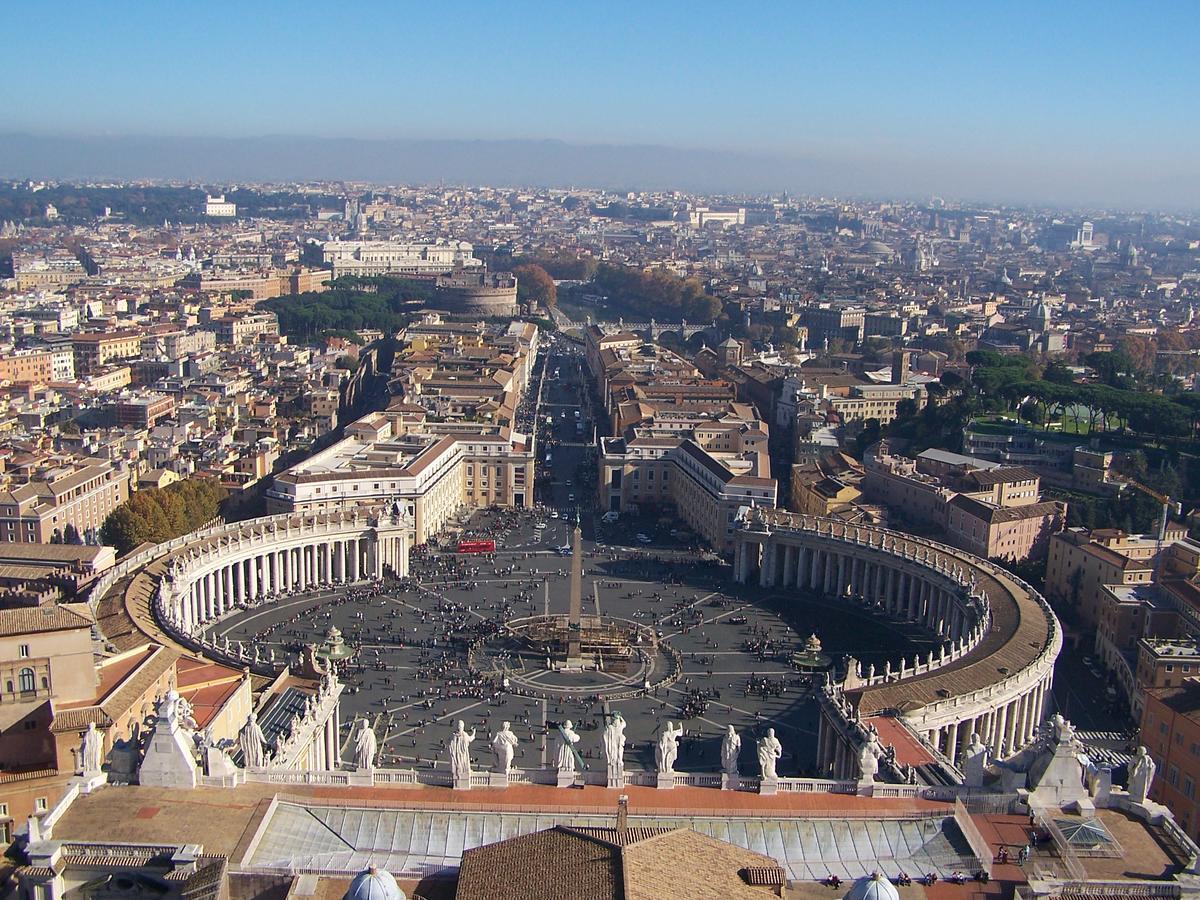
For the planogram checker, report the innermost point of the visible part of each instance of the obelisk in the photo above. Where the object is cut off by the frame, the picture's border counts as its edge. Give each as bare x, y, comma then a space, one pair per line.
575, 611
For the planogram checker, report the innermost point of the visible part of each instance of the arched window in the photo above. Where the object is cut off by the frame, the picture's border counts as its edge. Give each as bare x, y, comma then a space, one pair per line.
25, 679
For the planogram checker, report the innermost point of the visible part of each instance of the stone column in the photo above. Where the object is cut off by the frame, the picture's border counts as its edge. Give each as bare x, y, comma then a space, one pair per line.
952, 743
997, 742
214, 597
841, 575
1014, 721
373, 568
354, 559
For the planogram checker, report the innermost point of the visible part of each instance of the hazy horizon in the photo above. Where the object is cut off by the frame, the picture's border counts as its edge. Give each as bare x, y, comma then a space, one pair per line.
554, 163
1071, 103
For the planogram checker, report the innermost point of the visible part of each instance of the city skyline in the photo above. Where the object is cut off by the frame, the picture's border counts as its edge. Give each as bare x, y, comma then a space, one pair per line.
1019, 104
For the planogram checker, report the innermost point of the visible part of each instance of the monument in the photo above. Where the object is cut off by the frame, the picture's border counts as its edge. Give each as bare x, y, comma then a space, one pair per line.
504, 744
169, 759
1141, 776
91, 751
574, 658
251, 741
769, 753
460, 756
365, 747
567, 754
614, 751
975, 760
731, 747
868, 760
666, 751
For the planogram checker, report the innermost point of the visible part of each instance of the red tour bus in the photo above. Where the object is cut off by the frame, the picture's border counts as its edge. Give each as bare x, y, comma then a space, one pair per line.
476, 546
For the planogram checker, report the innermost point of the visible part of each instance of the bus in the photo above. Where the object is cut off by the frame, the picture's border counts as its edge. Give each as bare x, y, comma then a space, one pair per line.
476, 546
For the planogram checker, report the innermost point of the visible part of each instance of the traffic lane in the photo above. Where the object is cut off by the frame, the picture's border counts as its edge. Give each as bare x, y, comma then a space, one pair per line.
1082, 696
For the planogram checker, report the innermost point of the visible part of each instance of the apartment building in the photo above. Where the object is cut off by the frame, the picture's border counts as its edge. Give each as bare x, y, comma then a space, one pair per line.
705, 467
96, 349
1170, 731
992, 511
38, 502
38, 366
235, 330
434, 469
1080, 563
876, 401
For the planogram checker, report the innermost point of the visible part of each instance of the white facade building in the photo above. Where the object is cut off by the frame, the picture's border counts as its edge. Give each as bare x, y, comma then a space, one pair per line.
218, 207
396, 257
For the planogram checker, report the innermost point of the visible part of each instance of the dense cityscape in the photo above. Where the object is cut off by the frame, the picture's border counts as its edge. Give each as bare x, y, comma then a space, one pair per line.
601, 452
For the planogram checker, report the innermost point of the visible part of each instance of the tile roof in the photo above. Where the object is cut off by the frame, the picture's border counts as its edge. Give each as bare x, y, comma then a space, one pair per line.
38, 619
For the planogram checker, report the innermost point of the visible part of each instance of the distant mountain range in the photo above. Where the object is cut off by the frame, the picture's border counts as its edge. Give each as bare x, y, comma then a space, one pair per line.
540, 163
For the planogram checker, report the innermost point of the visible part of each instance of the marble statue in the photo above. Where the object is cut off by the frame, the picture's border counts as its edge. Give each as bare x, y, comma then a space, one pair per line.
868, 759
567, 739
187, 718
251, 739
169, 759
974, 760
504, 744
1063, 731
460, 752
731, 747
614, 749
92, 750
1141, 775
365, 746
769, 753
667, 749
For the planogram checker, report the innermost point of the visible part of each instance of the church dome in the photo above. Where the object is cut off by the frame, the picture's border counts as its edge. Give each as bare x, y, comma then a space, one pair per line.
873, 887
374, 884
877, 248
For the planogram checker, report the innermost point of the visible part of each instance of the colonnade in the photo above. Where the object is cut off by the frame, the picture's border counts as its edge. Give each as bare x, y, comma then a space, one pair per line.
291, 569
966, 601
278, 556
1005, 729
902, 591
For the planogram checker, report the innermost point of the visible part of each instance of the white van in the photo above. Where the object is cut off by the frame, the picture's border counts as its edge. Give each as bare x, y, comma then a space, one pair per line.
609, 517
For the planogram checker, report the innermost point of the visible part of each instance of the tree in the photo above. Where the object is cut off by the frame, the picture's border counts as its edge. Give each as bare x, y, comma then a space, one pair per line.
123, 529
71, 535
534, 285
158, 514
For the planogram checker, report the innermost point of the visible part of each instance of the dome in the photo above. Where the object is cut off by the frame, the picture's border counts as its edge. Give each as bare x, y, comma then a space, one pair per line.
374, 884
877, 248
871, 887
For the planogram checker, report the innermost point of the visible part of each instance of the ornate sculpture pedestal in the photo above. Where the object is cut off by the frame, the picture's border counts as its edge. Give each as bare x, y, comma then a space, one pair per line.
566, 779
666, 781
498, 779
866, 787
462, 783
730, 782
616, 784
768, 787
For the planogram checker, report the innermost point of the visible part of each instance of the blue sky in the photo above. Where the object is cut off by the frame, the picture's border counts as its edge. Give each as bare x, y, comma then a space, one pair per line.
1003, 85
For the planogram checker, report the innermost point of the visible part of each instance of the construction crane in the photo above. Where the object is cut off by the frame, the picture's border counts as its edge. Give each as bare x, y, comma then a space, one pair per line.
1163, 500
1161, 536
